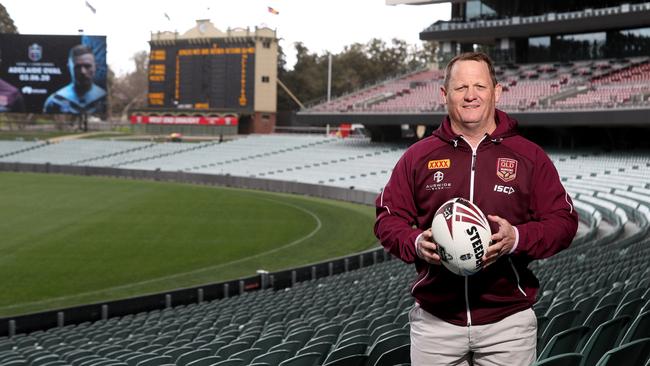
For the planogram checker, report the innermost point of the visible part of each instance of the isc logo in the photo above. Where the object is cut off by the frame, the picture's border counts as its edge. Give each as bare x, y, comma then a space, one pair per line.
504, 189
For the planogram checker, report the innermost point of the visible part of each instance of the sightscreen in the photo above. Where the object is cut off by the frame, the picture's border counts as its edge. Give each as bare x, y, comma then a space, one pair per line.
53, 74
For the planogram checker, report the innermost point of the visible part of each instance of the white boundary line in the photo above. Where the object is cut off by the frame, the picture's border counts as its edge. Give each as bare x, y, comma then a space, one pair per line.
319, 225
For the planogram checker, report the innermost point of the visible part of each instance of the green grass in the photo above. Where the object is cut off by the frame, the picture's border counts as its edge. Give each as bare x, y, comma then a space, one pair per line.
31, 135
74, 240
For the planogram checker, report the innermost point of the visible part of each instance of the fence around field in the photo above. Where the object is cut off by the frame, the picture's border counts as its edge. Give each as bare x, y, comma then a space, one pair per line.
100, 311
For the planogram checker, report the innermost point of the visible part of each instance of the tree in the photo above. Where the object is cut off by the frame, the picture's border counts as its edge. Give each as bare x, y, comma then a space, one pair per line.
356, 66
130, 90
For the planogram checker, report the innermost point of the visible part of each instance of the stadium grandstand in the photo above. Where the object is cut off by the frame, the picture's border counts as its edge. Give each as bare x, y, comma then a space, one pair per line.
594, 302
562, 65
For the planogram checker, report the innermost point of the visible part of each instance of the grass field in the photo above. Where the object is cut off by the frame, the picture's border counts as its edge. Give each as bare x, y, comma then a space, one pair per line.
74, 240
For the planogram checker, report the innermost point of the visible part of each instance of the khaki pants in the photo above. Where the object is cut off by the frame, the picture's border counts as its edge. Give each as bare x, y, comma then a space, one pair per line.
510, 342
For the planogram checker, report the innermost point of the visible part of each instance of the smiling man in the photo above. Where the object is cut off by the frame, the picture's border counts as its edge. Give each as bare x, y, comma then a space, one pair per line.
476, 154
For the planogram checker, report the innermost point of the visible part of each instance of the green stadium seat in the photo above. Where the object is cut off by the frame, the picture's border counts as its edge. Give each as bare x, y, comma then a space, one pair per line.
247, 355
630, 308
229, 350
397, 356
272, 358
188, 357
174, 353
568, 341
136, 359
345, 351
230, 362
156, 361
291, 346
566, 359
206, 361
266, 343
605, 337
632, 353
558, 323
386, 344
305, 359
322, 349
640, 328
351, 360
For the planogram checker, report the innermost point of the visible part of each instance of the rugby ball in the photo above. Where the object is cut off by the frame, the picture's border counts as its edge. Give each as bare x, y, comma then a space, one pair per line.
462, 234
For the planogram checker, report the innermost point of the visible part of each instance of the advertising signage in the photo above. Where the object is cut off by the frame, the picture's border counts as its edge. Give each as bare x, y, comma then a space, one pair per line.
53, 74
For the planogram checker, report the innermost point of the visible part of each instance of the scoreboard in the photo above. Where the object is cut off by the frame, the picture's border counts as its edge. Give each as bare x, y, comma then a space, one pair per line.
215, 74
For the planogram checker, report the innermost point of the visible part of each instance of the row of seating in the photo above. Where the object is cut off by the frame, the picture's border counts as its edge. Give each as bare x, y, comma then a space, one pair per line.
612, 85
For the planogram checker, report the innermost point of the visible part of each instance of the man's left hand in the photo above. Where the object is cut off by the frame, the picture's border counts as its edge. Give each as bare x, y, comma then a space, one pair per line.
502, 241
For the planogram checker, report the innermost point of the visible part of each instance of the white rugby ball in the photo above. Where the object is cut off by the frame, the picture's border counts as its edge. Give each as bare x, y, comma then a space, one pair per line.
462, 234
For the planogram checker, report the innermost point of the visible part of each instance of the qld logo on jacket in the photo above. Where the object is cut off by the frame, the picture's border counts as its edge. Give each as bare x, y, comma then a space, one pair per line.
506, 169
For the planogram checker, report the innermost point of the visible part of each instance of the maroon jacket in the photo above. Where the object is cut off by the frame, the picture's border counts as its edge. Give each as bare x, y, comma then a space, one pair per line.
512, 178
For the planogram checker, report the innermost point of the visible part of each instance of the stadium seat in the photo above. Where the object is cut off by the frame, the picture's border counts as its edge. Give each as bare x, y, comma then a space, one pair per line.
640, 328
387, 344
230, 349
395, 356
156, 361
272, 358
636, 352
351, 360
291, 346
188, 357
174, 353
630, 308
305, 359
206, 361
247, 355
230, 362
568, 341
566, 359
345, 351
558, 323
603, 339
266, 343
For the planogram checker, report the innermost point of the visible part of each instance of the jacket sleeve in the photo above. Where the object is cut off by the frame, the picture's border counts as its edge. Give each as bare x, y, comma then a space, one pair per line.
396, 213
555, 220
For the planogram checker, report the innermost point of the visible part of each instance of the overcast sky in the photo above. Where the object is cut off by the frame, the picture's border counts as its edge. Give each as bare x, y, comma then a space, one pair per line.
322, 25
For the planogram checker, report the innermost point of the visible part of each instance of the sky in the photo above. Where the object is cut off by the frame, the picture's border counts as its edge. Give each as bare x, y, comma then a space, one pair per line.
321, 25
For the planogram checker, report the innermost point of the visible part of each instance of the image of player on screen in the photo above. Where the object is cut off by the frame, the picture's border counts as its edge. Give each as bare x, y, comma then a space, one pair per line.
11, 99
82, 95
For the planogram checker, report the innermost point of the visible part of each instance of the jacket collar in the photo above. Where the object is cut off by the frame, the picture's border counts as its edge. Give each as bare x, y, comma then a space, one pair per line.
506, 127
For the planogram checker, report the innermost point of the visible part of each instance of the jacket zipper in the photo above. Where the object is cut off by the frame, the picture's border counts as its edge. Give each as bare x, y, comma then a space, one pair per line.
420, 280
471, 199
514, 269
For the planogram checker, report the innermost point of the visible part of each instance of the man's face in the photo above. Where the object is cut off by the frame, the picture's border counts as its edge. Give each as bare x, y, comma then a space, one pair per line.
83, 69
470, 95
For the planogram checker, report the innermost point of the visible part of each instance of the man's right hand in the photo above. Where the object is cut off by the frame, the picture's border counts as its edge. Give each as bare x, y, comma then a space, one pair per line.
426, 248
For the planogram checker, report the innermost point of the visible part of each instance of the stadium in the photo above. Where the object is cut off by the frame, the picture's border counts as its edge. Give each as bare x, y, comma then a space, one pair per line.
257, 248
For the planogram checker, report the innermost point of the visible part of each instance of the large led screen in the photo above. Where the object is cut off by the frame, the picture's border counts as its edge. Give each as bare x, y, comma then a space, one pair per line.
53, 74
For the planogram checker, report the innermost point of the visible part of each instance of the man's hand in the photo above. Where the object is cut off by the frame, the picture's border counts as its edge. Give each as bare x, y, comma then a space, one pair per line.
502, 241
426, 248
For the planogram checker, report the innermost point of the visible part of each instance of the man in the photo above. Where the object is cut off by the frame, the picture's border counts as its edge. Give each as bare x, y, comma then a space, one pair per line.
82, 95
11, 99
476, 153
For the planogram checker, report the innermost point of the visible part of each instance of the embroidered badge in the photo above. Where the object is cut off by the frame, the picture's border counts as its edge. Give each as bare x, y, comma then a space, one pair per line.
506, 169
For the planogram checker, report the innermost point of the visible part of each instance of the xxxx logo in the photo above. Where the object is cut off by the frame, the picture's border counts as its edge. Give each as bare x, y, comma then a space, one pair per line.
439, 164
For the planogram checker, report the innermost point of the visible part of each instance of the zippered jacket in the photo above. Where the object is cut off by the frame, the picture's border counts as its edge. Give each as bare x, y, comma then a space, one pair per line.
507, 176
